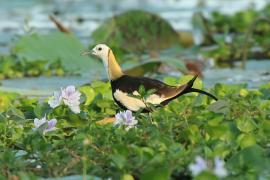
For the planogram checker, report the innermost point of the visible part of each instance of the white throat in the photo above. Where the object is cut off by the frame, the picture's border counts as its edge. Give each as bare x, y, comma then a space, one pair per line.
105, 61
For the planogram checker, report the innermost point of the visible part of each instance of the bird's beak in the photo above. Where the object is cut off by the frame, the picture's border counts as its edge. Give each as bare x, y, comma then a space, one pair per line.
91, 52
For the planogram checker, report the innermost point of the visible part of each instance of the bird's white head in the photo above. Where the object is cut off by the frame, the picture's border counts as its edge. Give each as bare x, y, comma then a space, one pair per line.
101, 51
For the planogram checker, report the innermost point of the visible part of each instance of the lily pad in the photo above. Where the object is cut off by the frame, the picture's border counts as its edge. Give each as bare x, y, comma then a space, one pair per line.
56, 46
136, 31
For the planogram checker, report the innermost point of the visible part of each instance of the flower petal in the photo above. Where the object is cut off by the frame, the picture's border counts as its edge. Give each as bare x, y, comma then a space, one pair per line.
39, 122
71, 98
219, 169
128, 114
75, 109
199, 166
52, 123
55, 100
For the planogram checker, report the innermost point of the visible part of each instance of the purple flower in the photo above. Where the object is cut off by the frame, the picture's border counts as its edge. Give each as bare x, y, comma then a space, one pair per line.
50, 124
126, 119
55, 100
199, 166
39, 122
219, 169
69, 96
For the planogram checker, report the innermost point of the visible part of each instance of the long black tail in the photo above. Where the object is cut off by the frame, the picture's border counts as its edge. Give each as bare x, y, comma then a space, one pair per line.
202, 92
189, 89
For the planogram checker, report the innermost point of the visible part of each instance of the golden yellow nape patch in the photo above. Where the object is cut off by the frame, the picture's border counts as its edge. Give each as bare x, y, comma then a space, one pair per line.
114, 68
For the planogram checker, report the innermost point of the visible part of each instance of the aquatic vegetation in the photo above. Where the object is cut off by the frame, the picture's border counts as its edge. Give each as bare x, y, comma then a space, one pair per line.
235, 129
237, 37
81, 133
54, 46
11, 67
136, 31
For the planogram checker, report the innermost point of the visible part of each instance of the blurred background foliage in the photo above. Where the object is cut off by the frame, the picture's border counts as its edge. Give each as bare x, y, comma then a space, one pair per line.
156, 38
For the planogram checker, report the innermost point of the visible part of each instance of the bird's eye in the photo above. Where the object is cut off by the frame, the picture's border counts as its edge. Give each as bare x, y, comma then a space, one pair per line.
99, 48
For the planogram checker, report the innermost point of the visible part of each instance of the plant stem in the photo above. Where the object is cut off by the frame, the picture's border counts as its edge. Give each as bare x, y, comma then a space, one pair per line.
84, 163
5, 133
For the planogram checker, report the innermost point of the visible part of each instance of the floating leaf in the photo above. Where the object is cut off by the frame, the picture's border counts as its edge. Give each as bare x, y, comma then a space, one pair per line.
220, 106
246, 140
119, 160
245, 124
89, 93
54, 46
252, 158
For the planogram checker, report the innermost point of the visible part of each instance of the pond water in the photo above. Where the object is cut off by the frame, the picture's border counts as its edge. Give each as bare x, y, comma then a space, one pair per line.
84, 16
256, 74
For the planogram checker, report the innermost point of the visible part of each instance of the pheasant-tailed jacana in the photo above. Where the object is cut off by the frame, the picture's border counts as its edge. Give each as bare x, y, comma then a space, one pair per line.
124, 85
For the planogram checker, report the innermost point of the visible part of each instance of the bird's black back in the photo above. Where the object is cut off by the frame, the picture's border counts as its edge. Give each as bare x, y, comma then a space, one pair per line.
129, 84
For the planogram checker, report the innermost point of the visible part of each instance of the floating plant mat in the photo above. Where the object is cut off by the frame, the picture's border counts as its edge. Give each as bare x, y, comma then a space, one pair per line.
256, 74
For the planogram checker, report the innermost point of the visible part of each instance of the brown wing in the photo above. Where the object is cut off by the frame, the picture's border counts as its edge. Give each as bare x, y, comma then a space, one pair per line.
130, 84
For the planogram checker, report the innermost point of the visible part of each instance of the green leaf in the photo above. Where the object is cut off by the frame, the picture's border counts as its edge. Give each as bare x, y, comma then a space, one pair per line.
74, 177
172, 81
119, 160
245, 124
206, 175
220, 106
251, 159
89, 93
246, 140
219, 132
15, 114
54, 46
141, 90
157, 174
185, 79
40, 110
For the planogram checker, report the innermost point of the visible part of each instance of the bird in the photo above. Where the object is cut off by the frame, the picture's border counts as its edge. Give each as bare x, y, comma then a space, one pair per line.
125, 88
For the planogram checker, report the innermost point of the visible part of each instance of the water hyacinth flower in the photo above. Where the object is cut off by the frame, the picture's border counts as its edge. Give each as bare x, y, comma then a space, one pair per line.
55, 100
126, 119
69, 96
50, 124
219, 169
199, 166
